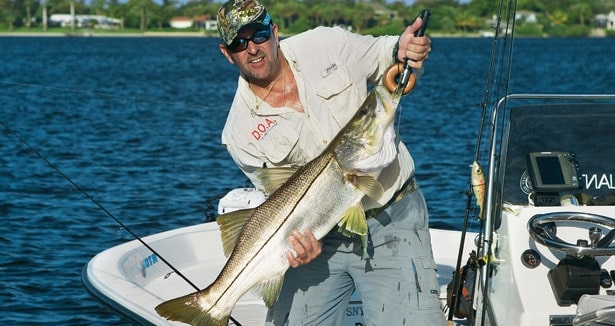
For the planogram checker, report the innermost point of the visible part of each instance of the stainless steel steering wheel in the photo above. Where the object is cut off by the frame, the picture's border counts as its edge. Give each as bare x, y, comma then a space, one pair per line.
541, 230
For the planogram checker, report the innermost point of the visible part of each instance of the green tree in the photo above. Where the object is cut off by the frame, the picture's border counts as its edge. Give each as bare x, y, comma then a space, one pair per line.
581, 13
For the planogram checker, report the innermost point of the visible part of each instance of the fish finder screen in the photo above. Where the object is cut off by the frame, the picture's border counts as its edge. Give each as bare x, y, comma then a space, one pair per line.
553, 171
550, 170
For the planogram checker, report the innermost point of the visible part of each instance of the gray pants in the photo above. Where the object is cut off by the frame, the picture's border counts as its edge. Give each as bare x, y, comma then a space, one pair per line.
397, 284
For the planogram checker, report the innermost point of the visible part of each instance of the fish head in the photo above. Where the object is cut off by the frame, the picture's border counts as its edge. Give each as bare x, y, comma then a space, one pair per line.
368, 142
478, 177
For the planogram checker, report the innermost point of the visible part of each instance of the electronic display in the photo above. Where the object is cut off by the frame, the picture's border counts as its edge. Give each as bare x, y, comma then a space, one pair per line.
553, 171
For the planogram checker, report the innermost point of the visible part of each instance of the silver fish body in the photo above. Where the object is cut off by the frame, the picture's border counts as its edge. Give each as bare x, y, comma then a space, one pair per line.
478, 187
324, 193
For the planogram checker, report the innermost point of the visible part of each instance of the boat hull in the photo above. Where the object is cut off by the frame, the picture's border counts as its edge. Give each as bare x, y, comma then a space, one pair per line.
131, 280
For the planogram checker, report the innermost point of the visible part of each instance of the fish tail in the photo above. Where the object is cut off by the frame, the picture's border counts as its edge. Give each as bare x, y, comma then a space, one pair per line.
189, 309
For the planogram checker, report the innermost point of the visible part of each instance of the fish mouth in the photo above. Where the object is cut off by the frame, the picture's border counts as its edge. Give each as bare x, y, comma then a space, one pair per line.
390, 101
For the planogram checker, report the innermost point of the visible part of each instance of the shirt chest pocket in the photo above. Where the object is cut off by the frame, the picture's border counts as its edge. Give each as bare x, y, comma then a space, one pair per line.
338, 95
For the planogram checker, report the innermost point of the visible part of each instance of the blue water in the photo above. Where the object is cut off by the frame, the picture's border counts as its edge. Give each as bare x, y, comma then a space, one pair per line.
135, 123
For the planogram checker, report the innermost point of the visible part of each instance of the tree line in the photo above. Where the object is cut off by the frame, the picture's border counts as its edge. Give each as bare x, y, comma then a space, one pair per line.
549, 17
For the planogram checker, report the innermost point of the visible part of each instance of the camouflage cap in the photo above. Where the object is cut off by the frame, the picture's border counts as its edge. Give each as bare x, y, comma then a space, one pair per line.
235, 14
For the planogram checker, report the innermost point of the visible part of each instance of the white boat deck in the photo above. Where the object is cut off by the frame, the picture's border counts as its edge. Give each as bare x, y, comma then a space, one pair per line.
131, 280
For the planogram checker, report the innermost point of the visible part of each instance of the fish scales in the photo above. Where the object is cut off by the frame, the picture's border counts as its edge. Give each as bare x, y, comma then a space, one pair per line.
278, 217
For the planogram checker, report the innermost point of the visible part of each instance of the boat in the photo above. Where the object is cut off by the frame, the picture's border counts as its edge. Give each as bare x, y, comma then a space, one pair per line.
131, 280
543, 257
547, 244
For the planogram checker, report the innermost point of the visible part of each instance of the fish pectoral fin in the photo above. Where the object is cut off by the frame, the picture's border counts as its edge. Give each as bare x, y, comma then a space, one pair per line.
270, 289
371, 187
273, 178
231, 224
353, 221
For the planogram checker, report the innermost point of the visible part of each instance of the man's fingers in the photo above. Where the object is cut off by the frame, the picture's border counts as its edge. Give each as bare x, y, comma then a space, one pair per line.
305, 246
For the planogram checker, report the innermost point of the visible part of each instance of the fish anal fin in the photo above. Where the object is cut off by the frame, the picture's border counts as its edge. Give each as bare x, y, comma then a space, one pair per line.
231, 224
187, 309
270, 289
273, 178
353, 221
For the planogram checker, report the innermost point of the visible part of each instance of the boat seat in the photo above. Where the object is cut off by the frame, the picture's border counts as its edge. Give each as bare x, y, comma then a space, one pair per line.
595, 310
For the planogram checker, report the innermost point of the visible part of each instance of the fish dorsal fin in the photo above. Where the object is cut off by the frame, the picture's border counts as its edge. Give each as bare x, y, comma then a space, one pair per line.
270, 289
273, 178
231, 225
371, 187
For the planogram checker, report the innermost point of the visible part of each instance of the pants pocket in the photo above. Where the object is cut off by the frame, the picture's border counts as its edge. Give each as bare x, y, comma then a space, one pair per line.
428, 290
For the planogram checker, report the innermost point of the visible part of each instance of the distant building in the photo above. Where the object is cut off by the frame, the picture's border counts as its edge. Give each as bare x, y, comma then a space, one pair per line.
527, 16
202, 22
605, 21
85, 21
181, 22
381, 10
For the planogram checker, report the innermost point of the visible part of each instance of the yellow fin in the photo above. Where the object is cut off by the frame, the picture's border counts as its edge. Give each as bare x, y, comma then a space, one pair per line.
231, 225
270, 289
353, 221
371, 187
273, 178
187, 309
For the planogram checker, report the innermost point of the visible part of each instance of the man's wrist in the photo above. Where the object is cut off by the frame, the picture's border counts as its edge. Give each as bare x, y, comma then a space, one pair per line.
396, 51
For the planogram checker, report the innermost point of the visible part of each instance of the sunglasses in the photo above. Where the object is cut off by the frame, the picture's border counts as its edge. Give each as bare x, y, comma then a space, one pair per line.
240, 44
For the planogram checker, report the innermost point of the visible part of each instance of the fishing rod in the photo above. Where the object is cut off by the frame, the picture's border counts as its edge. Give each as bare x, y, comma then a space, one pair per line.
490, 218
483, 244
99, 205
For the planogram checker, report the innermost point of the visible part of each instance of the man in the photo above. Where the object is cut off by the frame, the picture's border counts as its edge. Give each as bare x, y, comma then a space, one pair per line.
293, 97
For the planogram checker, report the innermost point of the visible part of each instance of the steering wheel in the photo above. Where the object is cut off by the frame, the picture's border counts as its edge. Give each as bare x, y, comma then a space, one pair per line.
542, 231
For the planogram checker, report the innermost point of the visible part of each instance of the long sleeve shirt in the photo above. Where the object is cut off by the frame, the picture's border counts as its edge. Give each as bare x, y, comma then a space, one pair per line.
333, 69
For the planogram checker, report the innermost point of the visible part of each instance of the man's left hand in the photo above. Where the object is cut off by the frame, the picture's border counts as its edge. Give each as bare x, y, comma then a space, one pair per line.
415, 48
305, 245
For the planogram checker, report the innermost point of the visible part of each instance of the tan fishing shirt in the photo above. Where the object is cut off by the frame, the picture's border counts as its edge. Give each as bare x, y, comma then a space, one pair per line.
330, 66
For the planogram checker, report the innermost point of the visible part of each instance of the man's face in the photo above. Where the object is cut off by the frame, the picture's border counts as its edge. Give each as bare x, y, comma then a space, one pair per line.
254, 51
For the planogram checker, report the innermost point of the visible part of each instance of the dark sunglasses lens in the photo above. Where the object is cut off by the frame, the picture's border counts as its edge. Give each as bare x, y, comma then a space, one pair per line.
240, 44
261, 36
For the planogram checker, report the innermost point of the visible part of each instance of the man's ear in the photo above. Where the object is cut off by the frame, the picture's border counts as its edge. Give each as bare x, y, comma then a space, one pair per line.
226, 54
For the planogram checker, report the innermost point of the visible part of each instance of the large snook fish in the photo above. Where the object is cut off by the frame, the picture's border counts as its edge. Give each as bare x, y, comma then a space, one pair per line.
324, 193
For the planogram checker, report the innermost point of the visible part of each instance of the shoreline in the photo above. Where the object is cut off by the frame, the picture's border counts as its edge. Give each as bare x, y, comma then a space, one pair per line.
89, 33
103, 34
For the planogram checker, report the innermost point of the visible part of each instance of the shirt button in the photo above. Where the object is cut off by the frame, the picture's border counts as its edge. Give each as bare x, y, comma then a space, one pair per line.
324, 142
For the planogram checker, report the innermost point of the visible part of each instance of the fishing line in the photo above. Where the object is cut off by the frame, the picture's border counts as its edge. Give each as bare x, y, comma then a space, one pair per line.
133, 98
92, 199
99, 205
495, 54
511, 9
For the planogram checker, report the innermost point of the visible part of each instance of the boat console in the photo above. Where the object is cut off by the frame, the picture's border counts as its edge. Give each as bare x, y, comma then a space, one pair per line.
553, 217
